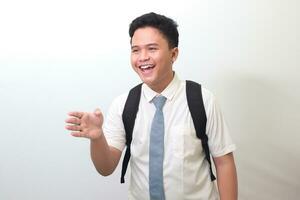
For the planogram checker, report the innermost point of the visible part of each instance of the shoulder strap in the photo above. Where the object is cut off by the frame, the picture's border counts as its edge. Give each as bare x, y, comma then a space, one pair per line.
196, 106
128, 116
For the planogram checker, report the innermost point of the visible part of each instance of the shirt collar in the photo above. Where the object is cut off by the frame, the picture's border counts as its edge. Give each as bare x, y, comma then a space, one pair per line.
168, 92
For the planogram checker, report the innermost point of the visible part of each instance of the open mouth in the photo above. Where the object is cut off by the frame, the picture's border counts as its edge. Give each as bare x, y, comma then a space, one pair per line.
146, 67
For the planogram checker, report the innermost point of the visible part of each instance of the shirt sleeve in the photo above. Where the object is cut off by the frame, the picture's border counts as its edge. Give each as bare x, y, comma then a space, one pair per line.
113, 127
219, 139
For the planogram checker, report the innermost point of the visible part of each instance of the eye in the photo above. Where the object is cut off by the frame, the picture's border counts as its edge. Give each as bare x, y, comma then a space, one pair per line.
134, 50
152, 48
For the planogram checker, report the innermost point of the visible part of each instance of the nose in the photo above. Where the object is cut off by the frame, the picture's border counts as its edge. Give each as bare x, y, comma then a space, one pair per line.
144, 56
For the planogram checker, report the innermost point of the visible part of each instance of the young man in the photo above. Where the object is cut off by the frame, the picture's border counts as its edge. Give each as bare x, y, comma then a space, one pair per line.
184, 170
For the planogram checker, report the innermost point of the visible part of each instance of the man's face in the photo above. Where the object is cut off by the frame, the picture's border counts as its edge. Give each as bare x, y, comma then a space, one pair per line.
151, 58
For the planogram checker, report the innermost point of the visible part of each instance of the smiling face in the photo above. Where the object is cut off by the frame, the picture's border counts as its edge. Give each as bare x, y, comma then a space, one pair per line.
152, 58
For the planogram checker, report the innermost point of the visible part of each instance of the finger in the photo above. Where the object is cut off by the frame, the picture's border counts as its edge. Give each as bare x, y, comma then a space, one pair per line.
78, 134
76, 114
73, 120
73, 128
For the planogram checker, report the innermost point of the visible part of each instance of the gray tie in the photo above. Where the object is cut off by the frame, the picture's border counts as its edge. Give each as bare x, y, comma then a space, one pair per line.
156, 151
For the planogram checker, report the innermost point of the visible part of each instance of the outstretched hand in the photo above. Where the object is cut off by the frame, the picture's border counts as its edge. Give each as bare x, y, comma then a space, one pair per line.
85, 124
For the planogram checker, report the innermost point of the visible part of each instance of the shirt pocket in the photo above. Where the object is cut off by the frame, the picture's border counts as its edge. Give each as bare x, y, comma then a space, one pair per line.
139, 144
185, 143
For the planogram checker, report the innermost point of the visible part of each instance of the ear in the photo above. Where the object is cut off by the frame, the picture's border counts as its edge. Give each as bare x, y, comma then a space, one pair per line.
174, 55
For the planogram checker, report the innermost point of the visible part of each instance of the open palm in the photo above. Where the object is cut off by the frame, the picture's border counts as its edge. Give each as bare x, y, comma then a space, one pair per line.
85, 124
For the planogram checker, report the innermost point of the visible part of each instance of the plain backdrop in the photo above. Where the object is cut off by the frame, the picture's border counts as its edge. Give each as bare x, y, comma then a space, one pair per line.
63, 55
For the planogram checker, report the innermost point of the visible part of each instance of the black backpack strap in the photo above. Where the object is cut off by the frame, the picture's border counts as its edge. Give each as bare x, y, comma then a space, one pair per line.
197, 110
128, 116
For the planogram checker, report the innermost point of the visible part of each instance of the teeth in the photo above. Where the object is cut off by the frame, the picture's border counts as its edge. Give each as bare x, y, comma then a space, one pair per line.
145, 66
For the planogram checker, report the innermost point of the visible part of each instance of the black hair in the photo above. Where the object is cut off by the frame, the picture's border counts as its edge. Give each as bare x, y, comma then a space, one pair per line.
165, 25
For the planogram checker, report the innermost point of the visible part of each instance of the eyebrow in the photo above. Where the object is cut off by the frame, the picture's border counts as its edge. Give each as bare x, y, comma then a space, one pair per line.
147, 45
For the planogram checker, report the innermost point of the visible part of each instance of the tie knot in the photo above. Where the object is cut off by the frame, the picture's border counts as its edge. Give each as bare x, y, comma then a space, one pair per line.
159, 102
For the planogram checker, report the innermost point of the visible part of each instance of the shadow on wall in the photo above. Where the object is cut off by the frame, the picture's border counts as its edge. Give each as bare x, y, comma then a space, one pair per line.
264, 120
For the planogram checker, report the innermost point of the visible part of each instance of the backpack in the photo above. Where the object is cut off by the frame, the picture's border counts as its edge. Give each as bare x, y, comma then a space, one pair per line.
197, 110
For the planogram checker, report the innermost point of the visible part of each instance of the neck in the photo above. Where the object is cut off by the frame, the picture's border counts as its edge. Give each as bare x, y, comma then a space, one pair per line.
163, 84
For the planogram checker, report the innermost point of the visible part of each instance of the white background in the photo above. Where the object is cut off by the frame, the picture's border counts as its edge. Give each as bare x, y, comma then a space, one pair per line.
63, 55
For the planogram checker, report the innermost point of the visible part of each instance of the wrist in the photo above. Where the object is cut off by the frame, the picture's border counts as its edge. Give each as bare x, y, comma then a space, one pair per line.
98, 136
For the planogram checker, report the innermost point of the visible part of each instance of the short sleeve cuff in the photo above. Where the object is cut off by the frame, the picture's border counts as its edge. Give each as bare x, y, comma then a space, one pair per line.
224, 151
118, 145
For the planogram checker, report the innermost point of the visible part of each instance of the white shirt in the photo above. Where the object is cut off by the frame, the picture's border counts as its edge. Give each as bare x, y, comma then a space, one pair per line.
186, 171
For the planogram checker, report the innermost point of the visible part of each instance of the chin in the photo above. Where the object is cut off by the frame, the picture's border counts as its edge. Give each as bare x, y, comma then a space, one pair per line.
148, 81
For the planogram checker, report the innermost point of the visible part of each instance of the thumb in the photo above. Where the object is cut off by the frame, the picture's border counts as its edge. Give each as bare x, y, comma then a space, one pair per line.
97, 112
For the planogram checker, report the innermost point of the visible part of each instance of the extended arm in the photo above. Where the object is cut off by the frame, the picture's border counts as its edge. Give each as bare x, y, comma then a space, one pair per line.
89, 125
104, 157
